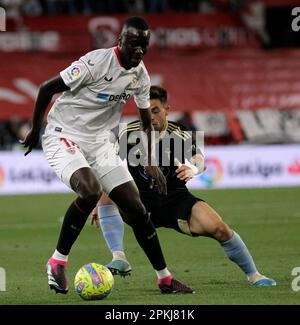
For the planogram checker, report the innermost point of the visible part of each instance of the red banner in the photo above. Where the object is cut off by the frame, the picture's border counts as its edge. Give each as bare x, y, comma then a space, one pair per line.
213, 80
169, 31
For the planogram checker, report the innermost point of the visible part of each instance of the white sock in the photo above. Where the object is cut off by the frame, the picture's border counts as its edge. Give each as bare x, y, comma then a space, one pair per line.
119, 255
162, 273
60, 257
255, 277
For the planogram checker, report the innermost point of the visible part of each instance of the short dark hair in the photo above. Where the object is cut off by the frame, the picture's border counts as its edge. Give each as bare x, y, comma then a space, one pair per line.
136, 22
157, 92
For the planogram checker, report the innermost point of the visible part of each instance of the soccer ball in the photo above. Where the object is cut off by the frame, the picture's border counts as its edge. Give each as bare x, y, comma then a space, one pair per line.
93, 282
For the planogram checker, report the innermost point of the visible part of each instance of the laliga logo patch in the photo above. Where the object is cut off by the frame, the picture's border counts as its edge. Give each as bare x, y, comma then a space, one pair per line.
75, 72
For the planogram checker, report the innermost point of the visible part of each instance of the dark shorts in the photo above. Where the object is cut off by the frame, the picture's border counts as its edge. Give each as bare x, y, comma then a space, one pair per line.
171, 211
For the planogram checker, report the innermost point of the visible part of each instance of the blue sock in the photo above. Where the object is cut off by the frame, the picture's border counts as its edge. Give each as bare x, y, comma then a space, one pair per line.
112, 227
237, 252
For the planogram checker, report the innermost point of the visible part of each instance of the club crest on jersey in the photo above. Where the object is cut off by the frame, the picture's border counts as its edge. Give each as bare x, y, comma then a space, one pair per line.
133, 83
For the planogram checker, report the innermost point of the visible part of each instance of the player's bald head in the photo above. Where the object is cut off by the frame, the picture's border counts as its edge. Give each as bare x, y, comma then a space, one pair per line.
133, 41
135, 27
135, 24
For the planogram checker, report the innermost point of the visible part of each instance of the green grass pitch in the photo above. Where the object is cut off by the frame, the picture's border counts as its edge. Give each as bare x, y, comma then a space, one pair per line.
268, 220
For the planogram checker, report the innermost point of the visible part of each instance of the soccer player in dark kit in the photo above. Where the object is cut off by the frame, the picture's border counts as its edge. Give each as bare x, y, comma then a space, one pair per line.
179, 210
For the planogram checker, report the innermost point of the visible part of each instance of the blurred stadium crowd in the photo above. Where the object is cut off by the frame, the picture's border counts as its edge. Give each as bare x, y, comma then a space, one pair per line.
87, 7
11, 131
239, 90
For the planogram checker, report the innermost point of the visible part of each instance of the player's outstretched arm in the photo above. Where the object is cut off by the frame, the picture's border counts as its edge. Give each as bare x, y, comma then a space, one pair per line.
152, 169
45, 94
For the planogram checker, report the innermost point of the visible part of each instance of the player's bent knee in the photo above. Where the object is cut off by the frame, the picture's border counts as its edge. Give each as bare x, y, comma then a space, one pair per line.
86, 185
91, 197
222, 232
90, 193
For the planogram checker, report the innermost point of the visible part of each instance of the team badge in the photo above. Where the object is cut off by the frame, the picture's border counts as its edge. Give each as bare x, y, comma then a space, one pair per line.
133, 83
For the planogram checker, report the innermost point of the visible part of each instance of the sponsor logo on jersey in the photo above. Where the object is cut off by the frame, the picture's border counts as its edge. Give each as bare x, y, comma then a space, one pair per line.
103, 97
113, 98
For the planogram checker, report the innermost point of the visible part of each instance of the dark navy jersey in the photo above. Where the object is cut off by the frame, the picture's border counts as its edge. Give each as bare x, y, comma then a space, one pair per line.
173, 145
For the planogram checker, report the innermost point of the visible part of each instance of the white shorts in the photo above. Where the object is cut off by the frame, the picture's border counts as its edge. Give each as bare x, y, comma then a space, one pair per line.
66, 156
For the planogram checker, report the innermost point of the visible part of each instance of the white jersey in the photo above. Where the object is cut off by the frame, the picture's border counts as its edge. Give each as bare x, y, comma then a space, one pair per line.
99, 88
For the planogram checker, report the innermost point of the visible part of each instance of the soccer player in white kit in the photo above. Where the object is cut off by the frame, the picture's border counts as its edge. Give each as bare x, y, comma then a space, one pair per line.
76, 143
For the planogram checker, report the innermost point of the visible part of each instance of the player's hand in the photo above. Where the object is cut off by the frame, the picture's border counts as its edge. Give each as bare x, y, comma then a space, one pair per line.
184, 173
157, 178
31, 140
94, 218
